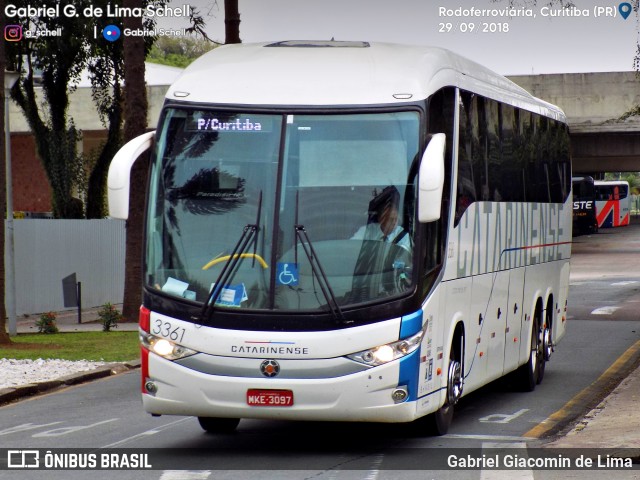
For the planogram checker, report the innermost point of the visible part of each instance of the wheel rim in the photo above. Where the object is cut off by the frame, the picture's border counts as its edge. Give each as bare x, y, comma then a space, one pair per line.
535, 351
546, 344
454, 383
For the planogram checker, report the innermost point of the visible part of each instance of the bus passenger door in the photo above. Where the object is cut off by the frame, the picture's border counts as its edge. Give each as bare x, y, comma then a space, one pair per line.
513, 327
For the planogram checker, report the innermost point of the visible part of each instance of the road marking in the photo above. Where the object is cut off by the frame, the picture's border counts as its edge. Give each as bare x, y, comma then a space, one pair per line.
502, 417
374, 471
506, 474
146, 433
26, 426
621, 284
604, 310
576, 405
185, 475
58, 432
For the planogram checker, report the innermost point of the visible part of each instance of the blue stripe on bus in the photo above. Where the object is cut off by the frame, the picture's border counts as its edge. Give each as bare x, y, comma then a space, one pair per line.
410, 365
411, 324
409, 368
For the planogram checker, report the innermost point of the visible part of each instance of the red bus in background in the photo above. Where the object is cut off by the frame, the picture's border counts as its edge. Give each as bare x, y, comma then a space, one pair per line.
612, 203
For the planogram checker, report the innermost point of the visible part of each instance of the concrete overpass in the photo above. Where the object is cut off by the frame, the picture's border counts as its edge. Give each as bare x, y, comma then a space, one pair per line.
603, 140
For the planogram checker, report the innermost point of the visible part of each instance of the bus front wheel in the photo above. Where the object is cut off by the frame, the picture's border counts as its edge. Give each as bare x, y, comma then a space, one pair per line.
438, 422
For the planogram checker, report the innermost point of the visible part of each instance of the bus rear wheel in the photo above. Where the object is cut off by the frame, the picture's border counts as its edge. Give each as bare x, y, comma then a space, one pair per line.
531, 373
218, 425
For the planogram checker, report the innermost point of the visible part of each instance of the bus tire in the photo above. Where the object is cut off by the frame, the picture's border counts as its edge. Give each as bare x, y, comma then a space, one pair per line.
438, 422
218, 425
531, 373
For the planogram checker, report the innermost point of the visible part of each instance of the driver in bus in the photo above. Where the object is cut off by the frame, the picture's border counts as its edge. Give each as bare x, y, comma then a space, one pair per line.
382, 224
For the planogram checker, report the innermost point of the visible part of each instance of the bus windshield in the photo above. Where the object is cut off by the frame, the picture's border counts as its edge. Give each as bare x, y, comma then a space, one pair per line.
327, 201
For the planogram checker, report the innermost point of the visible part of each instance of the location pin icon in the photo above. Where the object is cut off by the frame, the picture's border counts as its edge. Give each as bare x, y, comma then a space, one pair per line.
625, 9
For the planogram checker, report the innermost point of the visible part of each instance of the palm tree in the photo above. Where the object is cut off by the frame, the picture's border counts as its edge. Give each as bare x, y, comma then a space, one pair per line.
4, 336
135, 115
135, 124
231, 22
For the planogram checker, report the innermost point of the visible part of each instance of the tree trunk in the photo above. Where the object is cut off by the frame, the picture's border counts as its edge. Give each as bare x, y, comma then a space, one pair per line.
135, 115
231, 22
4, 336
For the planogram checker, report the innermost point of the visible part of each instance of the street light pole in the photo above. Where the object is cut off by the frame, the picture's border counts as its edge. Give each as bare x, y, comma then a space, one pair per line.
10, 79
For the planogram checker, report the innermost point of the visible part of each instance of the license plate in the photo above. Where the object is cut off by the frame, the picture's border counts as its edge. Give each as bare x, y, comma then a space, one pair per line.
269, 398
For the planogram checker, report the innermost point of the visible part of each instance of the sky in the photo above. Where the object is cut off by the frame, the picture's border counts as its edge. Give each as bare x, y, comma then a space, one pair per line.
510, 45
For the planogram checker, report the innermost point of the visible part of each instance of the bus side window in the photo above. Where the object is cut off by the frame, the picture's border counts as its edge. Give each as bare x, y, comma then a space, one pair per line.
511, 164
466, 193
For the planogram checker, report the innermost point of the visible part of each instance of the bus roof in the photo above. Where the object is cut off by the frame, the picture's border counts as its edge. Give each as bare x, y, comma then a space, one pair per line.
314, 73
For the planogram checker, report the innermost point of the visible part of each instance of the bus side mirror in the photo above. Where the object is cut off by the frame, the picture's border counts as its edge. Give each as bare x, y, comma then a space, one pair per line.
120, 173
431, 179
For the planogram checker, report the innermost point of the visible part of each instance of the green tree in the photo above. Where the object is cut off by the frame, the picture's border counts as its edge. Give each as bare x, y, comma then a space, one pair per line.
633, 178
106, 71
54, 64
135, 124
178, 51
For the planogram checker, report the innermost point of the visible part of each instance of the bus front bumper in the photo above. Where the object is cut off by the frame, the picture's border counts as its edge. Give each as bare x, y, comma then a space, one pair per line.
366, 396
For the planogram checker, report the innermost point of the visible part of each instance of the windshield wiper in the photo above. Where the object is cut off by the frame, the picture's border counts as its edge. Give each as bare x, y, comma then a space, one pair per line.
318, 272
249, 232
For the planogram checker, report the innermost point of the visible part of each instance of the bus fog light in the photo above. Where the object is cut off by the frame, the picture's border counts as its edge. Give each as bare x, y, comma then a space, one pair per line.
150, 387
399, 395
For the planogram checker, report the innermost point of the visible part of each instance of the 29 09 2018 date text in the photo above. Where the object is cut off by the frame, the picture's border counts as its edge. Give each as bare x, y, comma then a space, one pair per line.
473, 27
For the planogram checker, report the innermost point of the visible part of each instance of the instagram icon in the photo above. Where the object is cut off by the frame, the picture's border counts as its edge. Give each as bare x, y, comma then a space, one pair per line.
13, 33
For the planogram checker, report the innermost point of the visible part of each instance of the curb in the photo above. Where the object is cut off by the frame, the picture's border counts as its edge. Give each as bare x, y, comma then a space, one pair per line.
12, 394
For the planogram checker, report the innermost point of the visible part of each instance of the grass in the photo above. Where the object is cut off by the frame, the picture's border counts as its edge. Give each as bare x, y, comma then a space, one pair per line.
94, 346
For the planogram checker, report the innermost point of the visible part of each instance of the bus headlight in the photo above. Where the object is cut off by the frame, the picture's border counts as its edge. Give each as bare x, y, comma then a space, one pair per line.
388, 352
164, 348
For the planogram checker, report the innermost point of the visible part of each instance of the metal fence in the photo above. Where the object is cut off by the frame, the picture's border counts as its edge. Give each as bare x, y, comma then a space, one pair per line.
46, 251
635, 205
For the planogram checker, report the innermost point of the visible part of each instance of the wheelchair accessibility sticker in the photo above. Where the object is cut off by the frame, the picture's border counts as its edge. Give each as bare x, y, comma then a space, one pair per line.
287, 274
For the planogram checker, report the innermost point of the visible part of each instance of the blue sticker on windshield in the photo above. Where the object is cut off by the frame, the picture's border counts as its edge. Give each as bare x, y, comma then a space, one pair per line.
287, 274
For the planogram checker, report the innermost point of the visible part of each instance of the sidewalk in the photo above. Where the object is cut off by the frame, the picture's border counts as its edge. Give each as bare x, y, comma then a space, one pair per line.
613, 424
67, 321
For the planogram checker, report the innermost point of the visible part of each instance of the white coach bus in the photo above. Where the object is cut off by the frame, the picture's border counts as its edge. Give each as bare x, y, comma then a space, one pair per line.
347, 231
